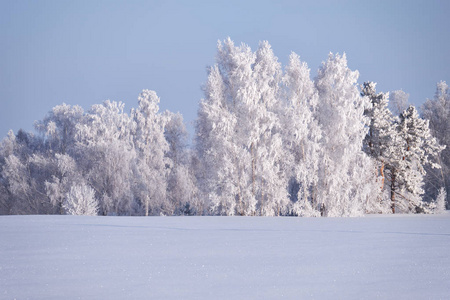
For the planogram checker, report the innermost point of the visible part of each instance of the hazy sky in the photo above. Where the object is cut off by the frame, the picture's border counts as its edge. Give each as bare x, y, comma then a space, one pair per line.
85, 52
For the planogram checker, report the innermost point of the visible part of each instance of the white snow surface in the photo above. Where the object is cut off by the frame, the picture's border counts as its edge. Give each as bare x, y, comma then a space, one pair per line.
80, 257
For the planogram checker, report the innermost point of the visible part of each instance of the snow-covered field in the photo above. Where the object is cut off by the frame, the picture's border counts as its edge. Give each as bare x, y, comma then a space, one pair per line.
71, 257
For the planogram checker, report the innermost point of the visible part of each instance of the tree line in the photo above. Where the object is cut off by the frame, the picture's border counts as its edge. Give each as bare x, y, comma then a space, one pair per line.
269, 141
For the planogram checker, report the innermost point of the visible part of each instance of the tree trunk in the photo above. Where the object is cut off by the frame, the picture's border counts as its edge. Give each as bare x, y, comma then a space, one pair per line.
253, 170
60, 204
393, 191
382, 175
240, 207
262, 196
322, 209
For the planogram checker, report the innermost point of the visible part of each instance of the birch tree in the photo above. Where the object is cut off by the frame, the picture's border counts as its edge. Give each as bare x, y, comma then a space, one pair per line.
151, 147
215, 148
182, 192
301, 136
239, 137
344, 170
106, 156
269, 156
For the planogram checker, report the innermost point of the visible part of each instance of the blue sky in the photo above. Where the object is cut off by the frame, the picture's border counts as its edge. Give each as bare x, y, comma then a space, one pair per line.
85, 52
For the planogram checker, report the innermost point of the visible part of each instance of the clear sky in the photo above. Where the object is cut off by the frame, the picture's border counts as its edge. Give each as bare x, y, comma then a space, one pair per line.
85, 52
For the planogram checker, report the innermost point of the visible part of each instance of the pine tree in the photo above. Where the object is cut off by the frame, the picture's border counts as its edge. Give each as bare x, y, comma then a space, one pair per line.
437, 111
414, 148
379, 141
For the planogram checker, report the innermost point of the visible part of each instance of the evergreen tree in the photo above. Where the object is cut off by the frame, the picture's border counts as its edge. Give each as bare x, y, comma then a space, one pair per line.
437, 112
380, 138
414, 148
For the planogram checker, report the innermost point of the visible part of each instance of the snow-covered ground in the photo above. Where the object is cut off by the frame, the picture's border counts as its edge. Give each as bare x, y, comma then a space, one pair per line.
70, 257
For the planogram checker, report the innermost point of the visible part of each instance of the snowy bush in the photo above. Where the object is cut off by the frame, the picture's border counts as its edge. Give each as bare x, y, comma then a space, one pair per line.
80, 200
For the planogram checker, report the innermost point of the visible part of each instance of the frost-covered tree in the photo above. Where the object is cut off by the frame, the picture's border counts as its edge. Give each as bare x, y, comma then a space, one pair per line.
124, 160
379, 142
106, 156
414, 148
239, 136
7, 148
301, 136
19, 187
235, 65
24, 171
345, 169
59, 127
182, 191
31, 170
217, 167
58, 138
403, 148
399, 102
267, 143
151, 147
381, 121
440, 201
80, 200
64, 175
269, 156
176, 136
437, 111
